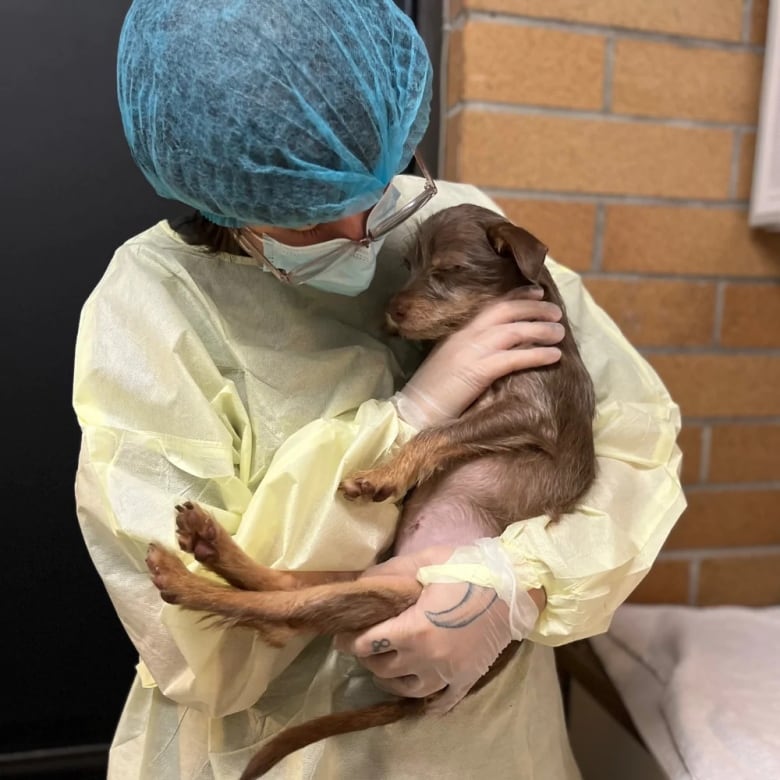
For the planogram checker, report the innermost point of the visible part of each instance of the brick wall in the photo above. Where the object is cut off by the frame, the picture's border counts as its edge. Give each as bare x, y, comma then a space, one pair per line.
622, 133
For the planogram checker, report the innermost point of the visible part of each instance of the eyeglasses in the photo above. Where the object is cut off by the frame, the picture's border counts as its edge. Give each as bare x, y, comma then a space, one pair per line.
252, 244
406, 211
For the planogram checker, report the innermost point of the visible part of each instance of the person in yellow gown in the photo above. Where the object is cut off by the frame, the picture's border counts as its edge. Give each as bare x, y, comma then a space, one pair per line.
237, 359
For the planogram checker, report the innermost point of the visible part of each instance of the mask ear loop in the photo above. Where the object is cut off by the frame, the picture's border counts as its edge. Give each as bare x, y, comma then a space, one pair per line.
254, 251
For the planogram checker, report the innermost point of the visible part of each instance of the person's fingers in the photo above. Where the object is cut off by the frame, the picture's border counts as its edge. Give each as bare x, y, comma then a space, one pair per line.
411, 685
518, 334
381, 638
505, 362
512, 311
386, 665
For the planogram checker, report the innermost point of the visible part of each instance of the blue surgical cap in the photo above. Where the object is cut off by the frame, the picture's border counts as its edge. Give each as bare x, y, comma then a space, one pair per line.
272, 112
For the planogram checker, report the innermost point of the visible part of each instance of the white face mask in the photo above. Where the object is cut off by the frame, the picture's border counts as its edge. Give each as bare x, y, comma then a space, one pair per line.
340, 265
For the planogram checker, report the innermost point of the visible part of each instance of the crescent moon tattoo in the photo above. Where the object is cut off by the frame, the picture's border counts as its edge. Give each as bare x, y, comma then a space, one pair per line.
466, 611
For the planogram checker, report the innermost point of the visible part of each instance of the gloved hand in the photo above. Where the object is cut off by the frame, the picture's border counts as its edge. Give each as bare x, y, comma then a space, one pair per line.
447, 640
512, 334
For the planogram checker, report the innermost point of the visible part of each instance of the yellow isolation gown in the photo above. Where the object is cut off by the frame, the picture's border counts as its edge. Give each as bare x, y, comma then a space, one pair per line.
199, 376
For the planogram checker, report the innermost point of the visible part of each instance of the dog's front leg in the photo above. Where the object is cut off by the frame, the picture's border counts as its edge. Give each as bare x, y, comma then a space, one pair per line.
322, 609
489, 430
416, 462
178, 585
198, 533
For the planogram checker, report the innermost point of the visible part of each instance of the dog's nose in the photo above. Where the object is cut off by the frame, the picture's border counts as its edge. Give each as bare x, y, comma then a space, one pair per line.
397, 309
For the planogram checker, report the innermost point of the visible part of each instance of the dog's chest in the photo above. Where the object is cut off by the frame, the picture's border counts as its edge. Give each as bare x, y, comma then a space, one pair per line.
440, 511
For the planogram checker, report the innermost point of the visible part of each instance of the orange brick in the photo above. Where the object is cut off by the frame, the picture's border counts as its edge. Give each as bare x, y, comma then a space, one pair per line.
687, 240
658, 313
727, 518
751, 315
669, 80
665, 583
568, 229
698, 18
691, 444
751, 581
746, 453
456, 68
747, 151
564, 154
758, 21
452, 145
721, 385
455, 8
507, 63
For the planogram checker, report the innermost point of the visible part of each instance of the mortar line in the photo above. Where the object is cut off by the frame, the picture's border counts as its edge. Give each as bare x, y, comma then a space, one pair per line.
641, 276
706, 446
608, 198
561, 112
736, 149
694, 569
705, 553
705, 351
597, 256
720, 306
755, 420
733, 487
459, 21
747, 20
609, 71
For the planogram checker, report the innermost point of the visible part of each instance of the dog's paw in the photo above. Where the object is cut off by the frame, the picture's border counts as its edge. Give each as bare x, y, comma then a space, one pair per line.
365, 486
197, 532
168, 572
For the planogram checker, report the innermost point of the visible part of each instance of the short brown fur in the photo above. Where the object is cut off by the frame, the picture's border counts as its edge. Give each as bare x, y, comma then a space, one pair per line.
531, 429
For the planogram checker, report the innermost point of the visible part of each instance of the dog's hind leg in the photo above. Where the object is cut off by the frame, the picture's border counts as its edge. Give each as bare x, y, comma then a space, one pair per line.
198, 533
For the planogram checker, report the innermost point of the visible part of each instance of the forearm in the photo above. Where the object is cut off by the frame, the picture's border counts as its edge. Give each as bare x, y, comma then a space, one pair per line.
291, 521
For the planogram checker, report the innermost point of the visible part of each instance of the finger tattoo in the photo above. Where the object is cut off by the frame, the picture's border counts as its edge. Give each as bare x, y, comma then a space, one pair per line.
380, 645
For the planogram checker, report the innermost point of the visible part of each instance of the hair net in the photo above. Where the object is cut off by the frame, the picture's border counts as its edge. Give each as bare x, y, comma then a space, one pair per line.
277, 112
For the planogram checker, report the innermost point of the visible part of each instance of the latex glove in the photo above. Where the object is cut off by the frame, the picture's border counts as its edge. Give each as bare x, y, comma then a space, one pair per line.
487, 562
512, 334
445, 642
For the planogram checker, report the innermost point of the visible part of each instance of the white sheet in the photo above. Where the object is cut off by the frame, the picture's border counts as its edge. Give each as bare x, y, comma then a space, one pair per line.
703, 686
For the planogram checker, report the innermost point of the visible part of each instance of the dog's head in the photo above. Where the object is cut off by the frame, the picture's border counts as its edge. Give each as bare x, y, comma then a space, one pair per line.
464, 256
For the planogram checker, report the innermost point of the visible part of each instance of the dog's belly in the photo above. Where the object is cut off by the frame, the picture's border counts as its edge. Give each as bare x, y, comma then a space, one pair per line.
440, 511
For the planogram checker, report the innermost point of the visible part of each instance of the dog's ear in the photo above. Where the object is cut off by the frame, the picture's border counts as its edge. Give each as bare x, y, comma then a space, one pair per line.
528, 251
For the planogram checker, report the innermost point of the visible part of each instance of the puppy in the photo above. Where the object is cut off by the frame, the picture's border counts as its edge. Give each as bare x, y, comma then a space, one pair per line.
524, 449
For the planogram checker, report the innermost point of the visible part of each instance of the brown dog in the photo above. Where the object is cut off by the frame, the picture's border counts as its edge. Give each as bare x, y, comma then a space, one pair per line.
524, 449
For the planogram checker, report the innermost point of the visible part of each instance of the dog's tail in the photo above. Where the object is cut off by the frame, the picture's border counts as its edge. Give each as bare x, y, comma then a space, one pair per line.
296, 737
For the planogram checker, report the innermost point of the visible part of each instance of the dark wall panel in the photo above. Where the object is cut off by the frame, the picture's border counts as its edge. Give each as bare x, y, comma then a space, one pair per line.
69, 194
